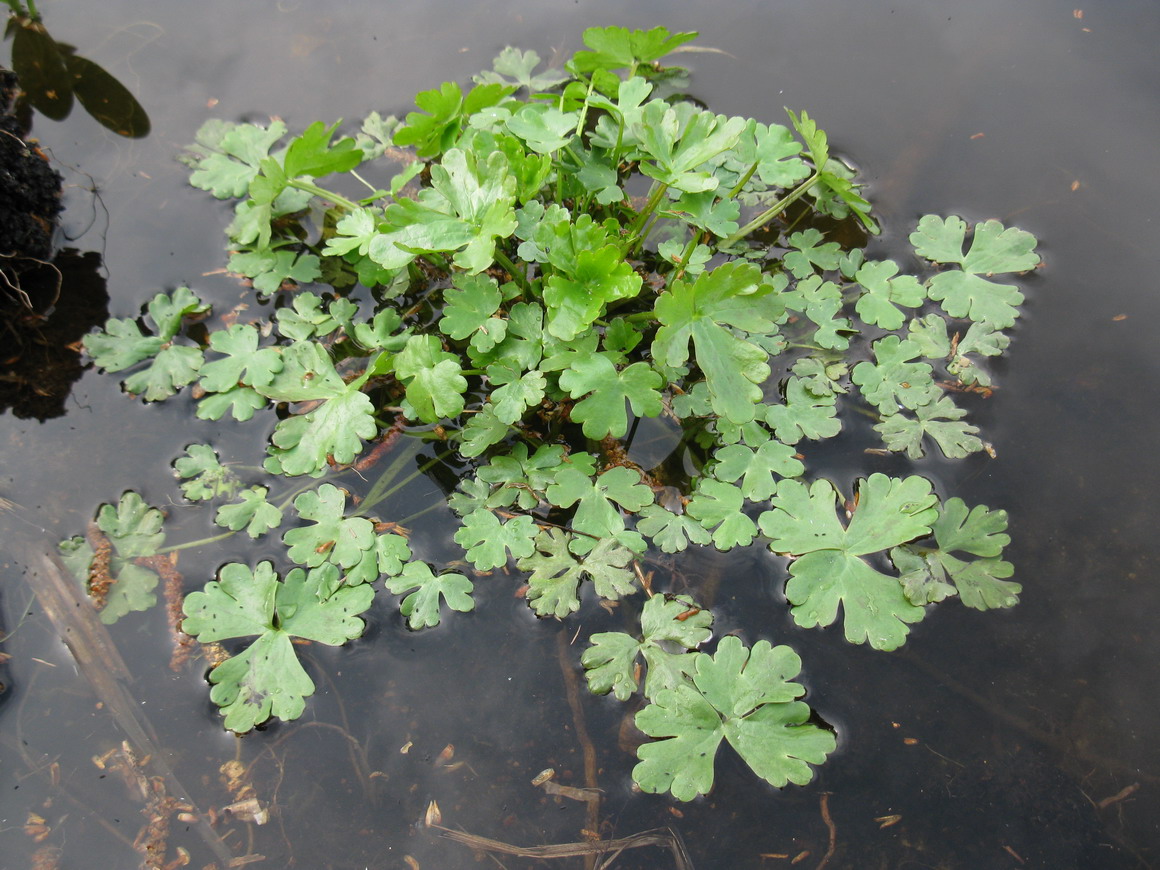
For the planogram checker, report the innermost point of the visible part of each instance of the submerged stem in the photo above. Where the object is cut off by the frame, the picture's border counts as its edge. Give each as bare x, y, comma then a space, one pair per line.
772, 212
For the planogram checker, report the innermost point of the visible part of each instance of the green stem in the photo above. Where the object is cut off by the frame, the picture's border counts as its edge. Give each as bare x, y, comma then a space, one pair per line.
33, 11
198, 543
685, 255
771, 212
373, 497
336, 198
744, 180
634, 230
517, 275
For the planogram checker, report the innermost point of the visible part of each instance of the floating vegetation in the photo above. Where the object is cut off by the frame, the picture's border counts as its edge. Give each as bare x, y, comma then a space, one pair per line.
520, 272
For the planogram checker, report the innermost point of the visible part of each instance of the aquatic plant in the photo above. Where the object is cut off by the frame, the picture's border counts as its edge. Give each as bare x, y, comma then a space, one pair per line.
519, 273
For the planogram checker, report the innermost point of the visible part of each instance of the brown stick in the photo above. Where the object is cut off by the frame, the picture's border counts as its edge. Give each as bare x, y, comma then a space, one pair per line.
831, 827
664, 837
571, 684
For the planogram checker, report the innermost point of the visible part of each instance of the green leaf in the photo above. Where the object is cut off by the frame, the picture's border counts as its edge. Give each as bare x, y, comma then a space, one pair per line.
120, 345
808, 254
304, 444
719, 506
894, 381
597, 499
310, 153
803, 415
606, 565
670, 531
542, 127
267, 678
254, 514
772, 153
705, 211
306, 318
982, 584
555, 575
885, 292
821, 302
610, 661
468, 309
617, 47
447, 110
994, 249
433, 377
761, 467
133, 527
270, 268
227, 156
675, 150
240, 402
206, 478
172, 368
481, 431
829, 571
941, 420
488, 541
332, 537
607, 390
574, 300
514, 67
168, 310
744, 696
732, 295
242, 361
421, 607
511, 401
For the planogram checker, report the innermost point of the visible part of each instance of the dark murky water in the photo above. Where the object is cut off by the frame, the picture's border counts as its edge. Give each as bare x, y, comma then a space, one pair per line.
998, 739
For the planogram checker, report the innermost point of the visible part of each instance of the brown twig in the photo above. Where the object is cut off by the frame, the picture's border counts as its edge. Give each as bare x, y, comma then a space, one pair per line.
831, 827
571, 685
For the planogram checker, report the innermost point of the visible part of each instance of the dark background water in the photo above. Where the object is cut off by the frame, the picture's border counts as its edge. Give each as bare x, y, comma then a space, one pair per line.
997, 738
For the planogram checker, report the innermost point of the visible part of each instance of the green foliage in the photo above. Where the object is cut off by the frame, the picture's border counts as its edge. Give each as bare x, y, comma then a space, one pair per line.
133, 529
421, 607
666, 622
932, 574
744, 696
267, 679
829, 569
506, 305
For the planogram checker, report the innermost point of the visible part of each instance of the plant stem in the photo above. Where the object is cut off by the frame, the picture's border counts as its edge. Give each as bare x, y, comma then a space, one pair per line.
635, 235
744, 180
336, 198
188, 545
518, 276
771, 212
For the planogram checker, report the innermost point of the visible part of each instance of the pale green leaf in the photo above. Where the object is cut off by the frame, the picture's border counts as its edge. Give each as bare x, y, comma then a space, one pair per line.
421, 607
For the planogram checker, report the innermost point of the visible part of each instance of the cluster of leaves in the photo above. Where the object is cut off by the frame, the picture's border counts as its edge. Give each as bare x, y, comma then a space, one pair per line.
502, 292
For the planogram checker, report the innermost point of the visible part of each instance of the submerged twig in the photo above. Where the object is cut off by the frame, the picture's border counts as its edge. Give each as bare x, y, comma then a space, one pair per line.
99, 662
592, 815
663, 837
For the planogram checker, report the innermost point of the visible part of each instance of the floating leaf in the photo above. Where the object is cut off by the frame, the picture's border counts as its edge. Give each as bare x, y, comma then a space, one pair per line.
941, 420
965, 293
488, 541
421, 606
205, 477
743, 696
267, 679
829, 570
666, 621
254, 514
982, 584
